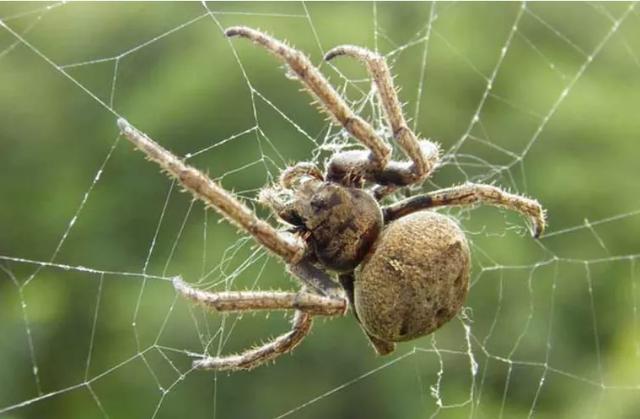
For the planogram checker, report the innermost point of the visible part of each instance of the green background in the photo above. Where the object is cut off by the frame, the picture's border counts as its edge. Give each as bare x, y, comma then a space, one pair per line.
553, 327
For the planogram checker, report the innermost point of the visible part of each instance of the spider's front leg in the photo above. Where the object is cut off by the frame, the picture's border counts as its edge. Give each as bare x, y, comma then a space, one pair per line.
423, 154
290, 248
469, 194
320, 88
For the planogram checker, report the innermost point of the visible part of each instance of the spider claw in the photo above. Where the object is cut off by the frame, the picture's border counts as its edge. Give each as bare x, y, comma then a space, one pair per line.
333, 53
539, 223
353, 51
246, 32
538, 229
235, 31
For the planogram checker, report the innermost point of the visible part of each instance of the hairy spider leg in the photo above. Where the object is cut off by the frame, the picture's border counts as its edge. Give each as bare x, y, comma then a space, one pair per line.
266, 352
236, 301
305, 303
469, 194
320, 88
288, 247
424, 154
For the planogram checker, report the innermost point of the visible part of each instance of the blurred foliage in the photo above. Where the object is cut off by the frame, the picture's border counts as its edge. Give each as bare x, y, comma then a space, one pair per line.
553, 323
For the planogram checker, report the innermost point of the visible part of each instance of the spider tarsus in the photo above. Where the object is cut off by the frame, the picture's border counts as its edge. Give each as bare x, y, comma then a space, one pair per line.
221, 364
539, 221
232, 31
352, 51
333, 53
124, 125
179, 284
239, 31
538, 229
204, 364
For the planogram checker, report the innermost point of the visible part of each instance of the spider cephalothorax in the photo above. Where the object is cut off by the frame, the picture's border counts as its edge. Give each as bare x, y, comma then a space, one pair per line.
341, 222
403, 268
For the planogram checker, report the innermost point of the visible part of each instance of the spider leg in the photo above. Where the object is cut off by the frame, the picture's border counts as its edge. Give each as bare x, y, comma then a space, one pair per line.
316, 278
348, 165
469, 194
304, 303
424, 154
266, 352
308, 302
320, 88
288, 247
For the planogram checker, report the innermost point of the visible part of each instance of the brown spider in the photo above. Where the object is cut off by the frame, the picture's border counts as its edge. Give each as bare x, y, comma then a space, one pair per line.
402, 268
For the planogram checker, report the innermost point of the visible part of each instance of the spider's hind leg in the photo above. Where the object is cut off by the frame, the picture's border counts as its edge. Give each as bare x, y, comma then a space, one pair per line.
266, 352
238, 301
306, 304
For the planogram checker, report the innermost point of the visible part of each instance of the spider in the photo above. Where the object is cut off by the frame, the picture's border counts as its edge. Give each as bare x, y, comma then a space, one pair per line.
403, 269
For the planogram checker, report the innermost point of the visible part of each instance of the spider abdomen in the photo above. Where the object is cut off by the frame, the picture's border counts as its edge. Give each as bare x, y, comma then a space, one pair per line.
415, 279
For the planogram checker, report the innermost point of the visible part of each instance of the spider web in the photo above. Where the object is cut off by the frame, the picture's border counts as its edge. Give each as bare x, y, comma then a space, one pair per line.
541, 99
